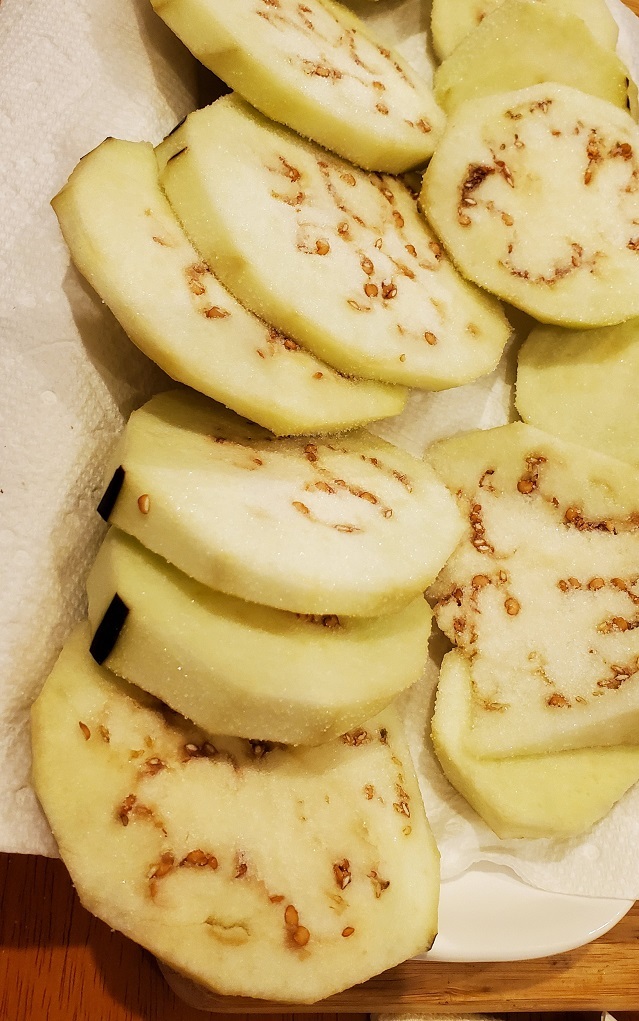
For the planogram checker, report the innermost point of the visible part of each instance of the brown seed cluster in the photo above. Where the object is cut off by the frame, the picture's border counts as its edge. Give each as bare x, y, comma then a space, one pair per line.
206, 750
529, 481
616, 624
379, 884
402, 805
199, 859
298, 934
479, 581
357, 737
618, 674
342, 873
475, 177
329, 620
215, 312
485, 480
557, 701
153, 766
194, 276
566, 584
126, 808
574, 516
512, 606
163, 867
258, 749
478, 530
492, 706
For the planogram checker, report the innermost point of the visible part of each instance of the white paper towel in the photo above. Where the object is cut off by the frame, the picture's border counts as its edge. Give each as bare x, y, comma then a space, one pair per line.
71, 72
72, 75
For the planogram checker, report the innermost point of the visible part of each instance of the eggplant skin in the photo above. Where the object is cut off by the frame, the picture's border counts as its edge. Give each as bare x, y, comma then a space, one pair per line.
111, 493
108, 630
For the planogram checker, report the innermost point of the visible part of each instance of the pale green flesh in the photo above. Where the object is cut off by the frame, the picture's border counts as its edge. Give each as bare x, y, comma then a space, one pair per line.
349, 525
546, 795
526, 42
453, 20
583, 386
542, 593
125, 239
341, 257
535, 194
316, 68
276, 821
246, 670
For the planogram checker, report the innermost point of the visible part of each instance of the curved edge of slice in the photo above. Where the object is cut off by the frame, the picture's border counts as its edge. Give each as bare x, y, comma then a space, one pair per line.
242, 669
525, 42
453, 20
542, 591
583, 386
347, 92
127, 242
558, 794
286, 876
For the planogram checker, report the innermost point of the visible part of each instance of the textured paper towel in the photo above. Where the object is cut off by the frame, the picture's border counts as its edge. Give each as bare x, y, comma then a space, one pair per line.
69, 377
71, 73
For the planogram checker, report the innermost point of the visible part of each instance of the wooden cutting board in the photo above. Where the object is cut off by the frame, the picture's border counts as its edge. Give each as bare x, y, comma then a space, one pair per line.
58, 963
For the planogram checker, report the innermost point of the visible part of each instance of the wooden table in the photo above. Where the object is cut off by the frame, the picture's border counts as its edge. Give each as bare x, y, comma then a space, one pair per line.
58, 963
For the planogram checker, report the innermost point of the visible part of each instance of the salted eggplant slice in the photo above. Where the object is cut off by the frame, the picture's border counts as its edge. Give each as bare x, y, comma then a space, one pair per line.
535, 194
542, 594
346, 525
125, 239
266, 871
317, 68
552, 794
339, 259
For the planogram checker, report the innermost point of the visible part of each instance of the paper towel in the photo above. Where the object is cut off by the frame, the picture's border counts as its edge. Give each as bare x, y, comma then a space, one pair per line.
72, 73
71, 76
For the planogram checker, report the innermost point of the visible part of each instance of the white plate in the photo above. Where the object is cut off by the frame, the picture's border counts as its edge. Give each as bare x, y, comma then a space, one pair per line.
488, 914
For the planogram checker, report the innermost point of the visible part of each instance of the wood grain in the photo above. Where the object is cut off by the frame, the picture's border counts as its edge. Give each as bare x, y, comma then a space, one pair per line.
58, 963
